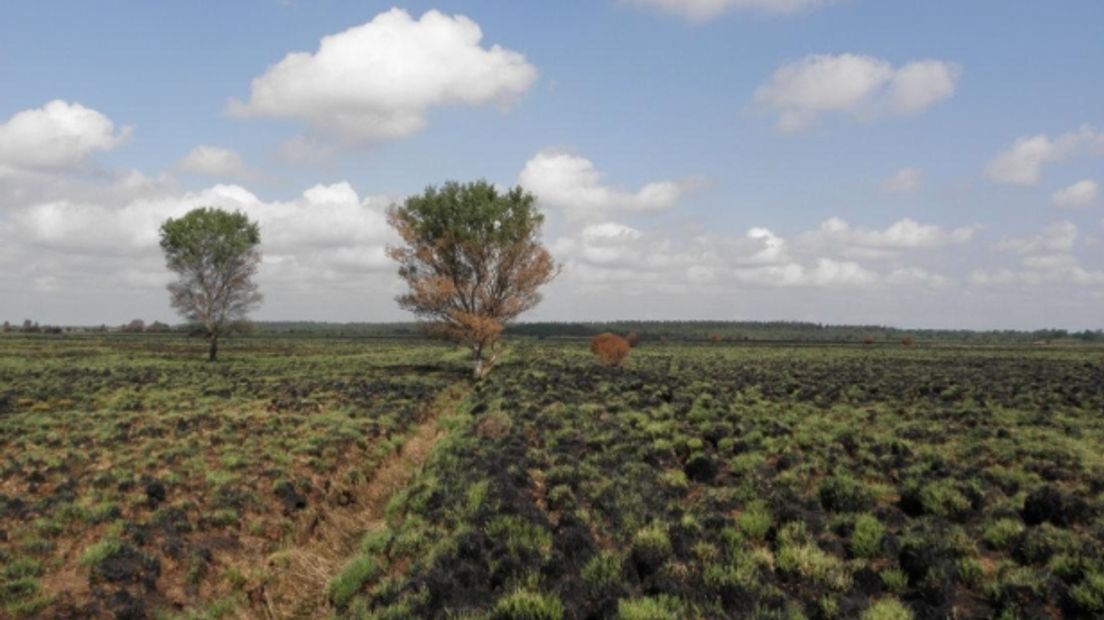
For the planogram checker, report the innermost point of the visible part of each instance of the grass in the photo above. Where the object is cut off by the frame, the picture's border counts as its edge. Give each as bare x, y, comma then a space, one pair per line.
697, 481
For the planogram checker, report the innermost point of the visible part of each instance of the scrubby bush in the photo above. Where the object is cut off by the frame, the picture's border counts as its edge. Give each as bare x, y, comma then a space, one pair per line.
887, 609
611, 349
633, 339
866, 538
755, 521
1088, 596
522, 605
842, 493
1002, 533
356, 573
660, 607
135, 326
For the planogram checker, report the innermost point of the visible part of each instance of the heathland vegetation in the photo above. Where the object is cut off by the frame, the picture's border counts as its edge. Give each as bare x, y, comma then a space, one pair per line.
673, 470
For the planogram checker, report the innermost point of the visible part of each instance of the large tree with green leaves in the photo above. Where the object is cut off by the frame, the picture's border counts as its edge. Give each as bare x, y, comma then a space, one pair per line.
215, 255
472, 260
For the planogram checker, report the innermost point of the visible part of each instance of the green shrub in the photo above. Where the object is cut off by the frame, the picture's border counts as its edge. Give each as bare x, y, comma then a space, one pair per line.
651, 545
866, 537
895, 580
351, 578
1002, 533
1088, 595
800, 555
887, 609
522, 605
755, 521
662, 607
842, 493
522, 537
603, 573
943, 499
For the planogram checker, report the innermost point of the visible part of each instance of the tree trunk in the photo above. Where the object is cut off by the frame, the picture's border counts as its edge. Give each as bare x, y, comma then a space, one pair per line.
213, 352
477, 354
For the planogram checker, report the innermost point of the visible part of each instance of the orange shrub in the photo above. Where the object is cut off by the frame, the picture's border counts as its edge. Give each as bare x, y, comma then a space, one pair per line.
907, 341
868, 340
610, 349
632, 339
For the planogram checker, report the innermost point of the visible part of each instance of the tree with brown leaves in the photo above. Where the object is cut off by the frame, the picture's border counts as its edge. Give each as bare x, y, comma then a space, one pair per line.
472, 260
611, 349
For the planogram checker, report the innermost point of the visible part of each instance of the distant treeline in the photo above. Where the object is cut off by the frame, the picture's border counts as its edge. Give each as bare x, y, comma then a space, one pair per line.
749, 331
730, 331
793, 331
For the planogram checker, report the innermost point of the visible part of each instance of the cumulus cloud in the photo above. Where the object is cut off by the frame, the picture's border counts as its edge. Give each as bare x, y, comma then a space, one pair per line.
57, 135
837, 236
1045, 258
823, 273
705, 10
859, 86
1056, 237
573, 184
377, 81
213, 161
903, 181
1080, 194
1023, 162
327, 240
609, 252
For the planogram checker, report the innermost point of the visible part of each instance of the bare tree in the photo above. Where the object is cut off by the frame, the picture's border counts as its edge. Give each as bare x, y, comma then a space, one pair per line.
473, 261
215, 256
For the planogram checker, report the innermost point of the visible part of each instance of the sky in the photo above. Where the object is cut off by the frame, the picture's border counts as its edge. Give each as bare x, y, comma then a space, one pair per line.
934, 164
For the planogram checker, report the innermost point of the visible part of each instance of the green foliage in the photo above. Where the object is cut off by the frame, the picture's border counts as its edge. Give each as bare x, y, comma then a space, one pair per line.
1088, 595
943, 499
866, 537
358, 571
208, 237
662, 607
887, 609
522, 605
755, 521
895, 580
1002, 533
471, 213
842, 493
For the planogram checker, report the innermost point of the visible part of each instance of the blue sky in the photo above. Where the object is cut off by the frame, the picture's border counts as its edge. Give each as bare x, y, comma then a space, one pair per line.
634, 90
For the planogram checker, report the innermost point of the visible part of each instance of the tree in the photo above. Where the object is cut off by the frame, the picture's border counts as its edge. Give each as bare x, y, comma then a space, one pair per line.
135, 326
215, 255
610, 349
472, 260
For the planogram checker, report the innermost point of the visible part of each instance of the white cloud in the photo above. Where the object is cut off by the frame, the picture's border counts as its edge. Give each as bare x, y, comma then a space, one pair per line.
860, 86
915, 276
57, 135
903, 181
377, 81
213, 161
704, 10
1045, 258
572, 183
1080, 194
1057, 237
837, 236
1022, 163
823, 273
772, 248
325, 240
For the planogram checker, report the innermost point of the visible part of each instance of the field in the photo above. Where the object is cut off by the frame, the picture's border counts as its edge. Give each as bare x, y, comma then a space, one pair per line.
364, 478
